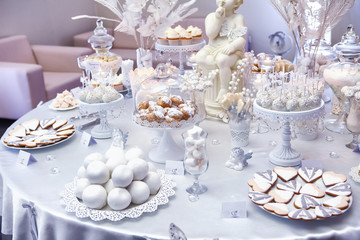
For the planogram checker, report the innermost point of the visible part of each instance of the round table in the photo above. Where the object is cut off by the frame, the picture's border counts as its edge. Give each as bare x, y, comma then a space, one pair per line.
199, 220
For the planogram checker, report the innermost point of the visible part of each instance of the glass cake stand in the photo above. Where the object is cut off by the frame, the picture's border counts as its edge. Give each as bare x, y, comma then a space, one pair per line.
103, 129
285, 155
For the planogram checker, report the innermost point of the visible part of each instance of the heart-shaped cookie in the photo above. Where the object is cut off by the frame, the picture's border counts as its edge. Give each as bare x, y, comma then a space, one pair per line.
286, 173
302, 214
305, 202
312, 190
330, 178
267, 176
340, 189
277, 208
340, 202
281, 196
259, 185
326, 212
293, 186
310, 174
260, 198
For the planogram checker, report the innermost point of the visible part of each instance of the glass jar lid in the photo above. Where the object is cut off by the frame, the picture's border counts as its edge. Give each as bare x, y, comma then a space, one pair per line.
101, 39
349, 47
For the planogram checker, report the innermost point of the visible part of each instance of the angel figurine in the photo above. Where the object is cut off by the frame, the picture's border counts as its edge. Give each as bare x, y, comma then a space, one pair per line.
238, 160
226, 31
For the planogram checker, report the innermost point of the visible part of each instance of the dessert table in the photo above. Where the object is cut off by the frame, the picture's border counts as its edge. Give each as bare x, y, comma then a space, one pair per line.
36, 187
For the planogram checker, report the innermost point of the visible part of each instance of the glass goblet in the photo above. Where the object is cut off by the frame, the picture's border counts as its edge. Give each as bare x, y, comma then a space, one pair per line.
353, 122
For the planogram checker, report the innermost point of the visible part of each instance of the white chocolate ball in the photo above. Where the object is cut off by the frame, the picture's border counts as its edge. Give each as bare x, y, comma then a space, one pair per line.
115, 152
109, 185
152, 167
93, 157
190, 162
81, 173
134, 152
153, 181
113, 162
94, 196
97, 172
139, 192
140, 168
122, 176
119, 199
81, 184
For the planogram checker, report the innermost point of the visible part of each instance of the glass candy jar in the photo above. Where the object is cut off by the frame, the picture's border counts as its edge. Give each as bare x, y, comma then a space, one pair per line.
102, 66
346, 72
160, 103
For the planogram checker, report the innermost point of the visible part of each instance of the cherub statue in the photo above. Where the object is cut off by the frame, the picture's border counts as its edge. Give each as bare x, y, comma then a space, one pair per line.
227, 37
238, 160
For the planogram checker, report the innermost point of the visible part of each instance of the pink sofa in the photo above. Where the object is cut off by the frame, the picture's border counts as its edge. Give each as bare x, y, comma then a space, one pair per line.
30, 74
125, 45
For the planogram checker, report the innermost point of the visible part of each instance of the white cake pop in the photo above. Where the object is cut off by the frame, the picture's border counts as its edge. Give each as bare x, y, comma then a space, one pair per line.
93, 157
94, 196
153, 181
279, 105
81, 184
291, 104
97, 172
122, 176
139, 192
140, 168
119, 199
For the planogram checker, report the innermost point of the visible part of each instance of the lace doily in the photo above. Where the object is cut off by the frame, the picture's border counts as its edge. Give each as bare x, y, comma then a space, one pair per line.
354, 173
73, 204
180, 48
163, 125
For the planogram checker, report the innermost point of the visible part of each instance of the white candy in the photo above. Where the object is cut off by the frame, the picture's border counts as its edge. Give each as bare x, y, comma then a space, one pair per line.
114, 161
190, 162
139, 192
81, 184
140, 168
115, 152
134, 152
93, 157
119, 199
94, 196
122, 176
97, 172
153, 181
197, 154
109, 185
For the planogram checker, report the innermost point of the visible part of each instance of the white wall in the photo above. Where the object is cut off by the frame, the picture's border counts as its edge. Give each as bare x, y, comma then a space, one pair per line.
49, 21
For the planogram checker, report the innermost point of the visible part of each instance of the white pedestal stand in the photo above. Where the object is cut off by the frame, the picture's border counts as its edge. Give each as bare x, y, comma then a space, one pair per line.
180, 49
103, 130
285, 155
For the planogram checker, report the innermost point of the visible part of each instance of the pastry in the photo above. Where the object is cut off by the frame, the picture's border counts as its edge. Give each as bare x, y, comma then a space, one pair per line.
139, 167
326, 212
94, 196
302, 214
267, 176
305, 202
292, 185
164, 102
122, 176
340, 202
139, 192
330, 178
340, 189
312, 190
153, 181
97, 172
277, 208
258, 185
119, 199
310, 174
260, 198
281, 196
286, 173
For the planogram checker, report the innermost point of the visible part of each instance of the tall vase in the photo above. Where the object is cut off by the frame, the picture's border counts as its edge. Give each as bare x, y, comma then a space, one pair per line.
239, 131
143, 58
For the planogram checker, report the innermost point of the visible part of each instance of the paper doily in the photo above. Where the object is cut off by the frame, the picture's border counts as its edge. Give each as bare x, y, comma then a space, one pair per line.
73, 205
354, 173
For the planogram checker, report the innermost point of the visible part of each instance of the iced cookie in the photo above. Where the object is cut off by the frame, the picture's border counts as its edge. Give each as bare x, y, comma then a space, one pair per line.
326, 212
312, 190
340, 189
18, 131
259, 185
310, 174
330, 178
267, 176
277, 208
302, 214
31, 124
47, 123
305, 202
293, 186
66, 127
340, 202
286, 173
260, 198
281, 196
59, 123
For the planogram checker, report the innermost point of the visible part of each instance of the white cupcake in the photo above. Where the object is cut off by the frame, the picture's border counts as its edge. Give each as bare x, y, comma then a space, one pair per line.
172, 37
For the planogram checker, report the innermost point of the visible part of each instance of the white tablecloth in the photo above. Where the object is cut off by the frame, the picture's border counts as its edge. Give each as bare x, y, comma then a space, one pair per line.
199, 220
